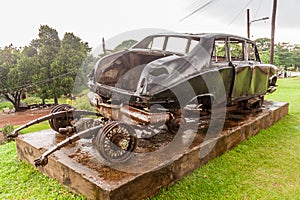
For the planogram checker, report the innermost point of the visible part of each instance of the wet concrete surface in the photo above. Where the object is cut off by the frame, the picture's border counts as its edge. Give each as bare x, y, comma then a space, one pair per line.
157, 162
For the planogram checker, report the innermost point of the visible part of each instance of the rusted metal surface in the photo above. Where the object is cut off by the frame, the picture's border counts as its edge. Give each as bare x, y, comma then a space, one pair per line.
129, 114
161, 80
64, 115
146, 74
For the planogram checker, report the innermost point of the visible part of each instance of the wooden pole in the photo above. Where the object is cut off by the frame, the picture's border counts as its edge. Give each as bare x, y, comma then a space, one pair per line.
273, 31
248, 23
103, 46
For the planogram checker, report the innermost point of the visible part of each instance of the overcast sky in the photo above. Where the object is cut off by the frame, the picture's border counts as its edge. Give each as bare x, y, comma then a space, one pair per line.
93, 19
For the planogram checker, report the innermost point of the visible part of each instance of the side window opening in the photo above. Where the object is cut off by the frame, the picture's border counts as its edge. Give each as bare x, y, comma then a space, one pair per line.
237, 50
193, 43
219, 51
251, 52
157, 43
177, 44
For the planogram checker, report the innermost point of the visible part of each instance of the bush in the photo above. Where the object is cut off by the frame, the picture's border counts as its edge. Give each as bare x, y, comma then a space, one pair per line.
5, 104
82, 103
7, 129
32, 100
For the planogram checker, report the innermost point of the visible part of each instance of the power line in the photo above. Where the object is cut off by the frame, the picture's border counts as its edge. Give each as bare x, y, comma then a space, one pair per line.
257, 9
241, 12
202, 7
196, 4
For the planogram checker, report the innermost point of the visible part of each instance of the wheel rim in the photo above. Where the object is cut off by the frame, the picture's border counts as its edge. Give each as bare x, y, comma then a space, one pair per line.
116, 142
60, 122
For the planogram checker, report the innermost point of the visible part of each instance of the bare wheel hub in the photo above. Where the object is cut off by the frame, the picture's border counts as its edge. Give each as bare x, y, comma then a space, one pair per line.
60, 122
116, 142
123, 144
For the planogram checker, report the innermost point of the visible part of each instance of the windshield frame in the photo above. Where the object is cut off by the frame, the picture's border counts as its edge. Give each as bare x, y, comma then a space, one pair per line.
147, 43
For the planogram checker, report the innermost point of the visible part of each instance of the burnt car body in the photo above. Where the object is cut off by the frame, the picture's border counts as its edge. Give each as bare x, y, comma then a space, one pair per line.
155, 82
173, 70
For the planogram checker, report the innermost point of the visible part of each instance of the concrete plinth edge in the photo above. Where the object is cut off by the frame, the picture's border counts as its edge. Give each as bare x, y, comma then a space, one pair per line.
99, 181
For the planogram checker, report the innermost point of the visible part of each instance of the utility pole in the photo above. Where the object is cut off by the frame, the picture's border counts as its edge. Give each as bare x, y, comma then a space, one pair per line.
248, 23
273, 31
103, 46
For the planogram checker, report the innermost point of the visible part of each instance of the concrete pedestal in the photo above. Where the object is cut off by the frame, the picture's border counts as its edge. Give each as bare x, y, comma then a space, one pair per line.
79, 166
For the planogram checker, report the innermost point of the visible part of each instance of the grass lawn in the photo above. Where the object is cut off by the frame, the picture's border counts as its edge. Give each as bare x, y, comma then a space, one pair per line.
266, 166
5, 104
37, 127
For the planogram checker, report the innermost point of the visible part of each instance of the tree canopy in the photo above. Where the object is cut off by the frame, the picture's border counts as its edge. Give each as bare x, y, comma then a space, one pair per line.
10, 73
48, 66
287, 56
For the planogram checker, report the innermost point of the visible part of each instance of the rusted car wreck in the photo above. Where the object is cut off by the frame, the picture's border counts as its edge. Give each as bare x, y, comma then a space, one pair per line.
155, 81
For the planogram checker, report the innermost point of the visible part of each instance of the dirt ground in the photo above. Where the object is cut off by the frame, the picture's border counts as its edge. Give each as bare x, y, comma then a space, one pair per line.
20, 118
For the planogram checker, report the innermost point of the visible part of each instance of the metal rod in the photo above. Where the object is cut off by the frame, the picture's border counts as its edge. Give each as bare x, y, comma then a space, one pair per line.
43, 159
38, 120
261, 19
15, 132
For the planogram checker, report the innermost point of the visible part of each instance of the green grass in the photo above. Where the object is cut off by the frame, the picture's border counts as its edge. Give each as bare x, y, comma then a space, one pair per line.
37, 127
36, 100
19, 180
266, 166
5, 104
32, 100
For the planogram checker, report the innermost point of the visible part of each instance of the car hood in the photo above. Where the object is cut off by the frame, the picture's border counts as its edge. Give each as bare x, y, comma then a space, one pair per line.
167, 72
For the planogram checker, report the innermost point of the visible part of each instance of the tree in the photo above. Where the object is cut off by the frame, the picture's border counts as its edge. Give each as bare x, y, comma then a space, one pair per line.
263, 45
47, 46
296, 57
15, 75
86, 68
286, 57
282, 50
48, 66
66, 65
125, 45
27, 68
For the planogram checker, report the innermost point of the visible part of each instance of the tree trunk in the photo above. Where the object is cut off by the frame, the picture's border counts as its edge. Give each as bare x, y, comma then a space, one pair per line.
15, 99
55, 100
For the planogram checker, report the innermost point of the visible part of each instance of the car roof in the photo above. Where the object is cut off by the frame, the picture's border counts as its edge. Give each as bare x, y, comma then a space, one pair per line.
200, 35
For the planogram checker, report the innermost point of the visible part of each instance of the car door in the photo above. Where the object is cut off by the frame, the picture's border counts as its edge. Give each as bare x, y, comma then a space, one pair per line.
220, 61
260, 72
243, 70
